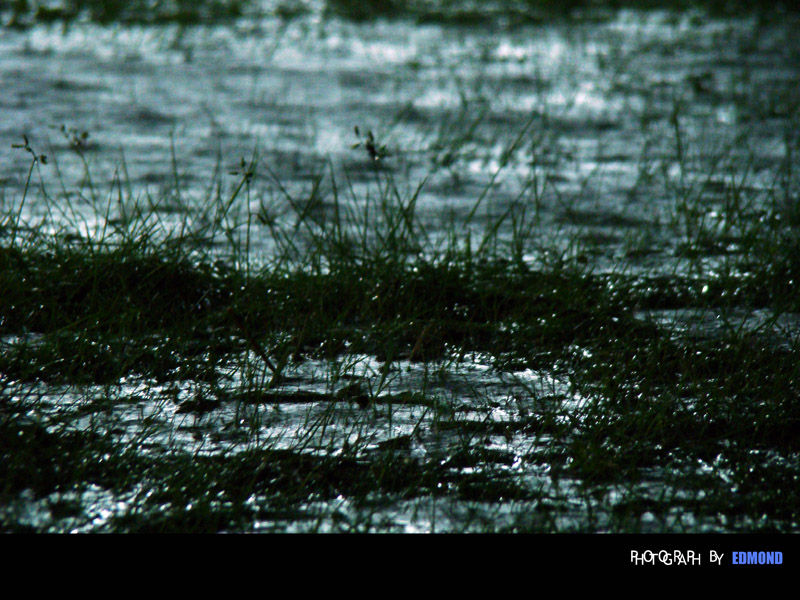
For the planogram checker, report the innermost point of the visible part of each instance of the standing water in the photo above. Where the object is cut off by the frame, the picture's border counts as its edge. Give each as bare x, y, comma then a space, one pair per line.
427, 269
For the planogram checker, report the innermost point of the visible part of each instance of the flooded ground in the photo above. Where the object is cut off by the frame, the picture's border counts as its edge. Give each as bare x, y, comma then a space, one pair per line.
603, 128
642, 144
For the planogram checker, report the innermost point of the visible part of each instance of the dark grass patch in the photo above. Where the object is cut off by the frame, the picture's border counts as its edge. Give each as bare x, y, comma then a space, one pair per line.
122, 291
34, 458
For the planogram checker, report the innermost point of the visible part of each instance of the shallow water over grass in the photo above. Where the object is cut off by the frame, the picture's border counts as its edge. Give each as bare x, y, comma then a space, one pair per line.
540, 403
466, 425
301, 272
626, 134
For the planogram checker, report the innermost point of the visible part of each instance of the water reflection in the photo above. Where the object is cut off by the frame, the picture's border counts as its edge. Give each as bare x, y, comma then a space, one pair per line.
171, 109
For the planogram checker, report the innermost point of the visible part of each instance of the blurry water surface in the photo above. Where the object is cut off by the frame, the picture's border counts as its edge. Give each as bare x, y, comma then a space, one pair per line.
612, 121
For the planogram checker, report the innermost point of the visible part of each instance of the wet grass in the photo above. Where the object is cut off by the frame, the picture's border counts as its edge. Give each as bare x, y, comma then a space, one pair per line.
676, 427
372, 372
